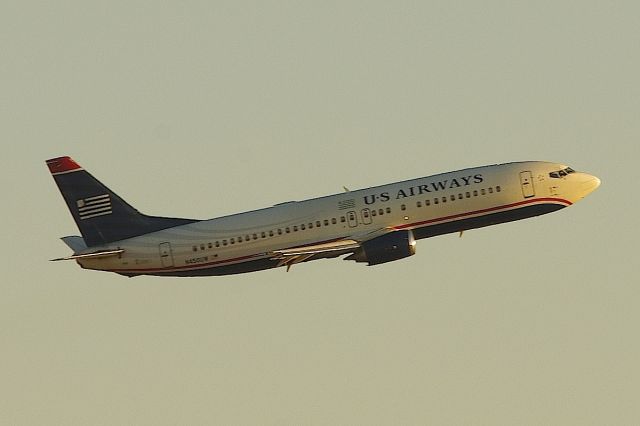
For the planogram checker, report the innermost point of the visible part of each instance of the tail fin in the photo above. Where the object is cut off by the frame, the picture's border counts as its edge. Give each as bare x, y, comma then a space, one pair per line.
101, 215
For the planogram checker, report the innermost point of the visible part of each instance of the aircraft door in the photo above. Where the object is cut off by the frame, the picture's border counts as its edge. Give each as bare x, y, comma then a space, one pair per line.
352, 219
366, 216
526, 182
166, 256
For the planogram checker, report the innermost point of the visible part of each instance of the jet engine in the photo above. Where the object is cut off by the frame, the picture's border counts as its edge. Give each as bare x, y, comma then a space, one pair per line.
386, 248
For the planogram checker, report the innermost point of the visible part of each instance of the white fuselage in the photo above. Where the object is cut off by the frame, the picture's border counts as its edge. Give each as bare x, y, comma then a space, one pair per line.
448, 202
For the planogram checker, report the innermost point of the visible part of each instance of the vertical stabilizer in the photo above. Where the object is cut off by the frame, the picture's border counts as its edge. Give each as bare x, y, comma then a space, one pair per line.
101, 215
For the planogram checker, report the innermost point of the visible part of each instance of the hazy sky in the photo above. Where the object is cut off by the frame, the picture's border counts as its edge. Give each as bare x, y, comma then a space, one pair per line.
200, 109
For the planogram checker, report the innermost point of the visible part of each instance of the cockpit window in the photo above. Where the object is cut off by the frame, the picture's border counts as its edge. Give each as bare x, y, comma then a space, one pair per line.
561, 173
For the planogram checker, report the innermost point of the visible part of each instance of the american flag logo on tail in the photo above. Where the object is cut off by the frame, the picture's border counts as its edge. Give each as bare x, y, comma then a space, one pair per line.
100, 205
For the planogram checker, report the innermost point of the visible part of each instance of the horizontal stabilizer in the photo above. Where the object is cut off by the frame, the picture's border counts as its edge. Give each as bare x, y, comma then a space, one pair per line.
99, 253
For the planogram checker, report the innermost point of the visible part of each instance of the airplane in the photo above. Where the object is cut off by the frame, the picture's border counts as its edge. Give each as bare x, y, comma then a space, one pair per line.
373, 225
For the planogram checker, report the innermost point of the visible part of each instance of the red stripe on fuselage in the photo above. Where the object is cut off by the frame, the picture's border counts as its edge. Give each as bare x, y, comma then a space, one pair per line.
400, 227
217, 262
490, 209
189, 267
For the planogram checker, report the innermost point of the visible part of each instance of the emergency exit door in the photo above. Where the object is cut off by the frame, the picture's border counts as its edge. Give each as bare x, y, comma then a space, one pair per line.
352, 219
166, 256
366, 216
526, 182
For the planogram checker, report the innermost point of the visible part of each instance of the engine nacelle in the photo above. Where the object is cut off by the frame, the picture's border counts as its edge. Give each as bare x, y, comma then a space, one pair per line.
386, 248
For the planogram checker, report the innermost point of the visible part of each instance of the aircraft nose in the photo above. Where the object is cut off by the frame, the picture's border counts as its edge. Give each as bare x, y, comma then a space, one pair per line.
590, 184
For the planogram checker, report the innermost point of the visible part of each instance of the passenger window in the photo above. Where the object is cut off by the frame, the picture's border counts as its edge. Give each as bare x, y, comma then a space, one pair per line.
279, 231
380, 212
373, 213
388, 209
419, 204
482, 191
201, 246
342, 219
403, 207
435, 201
318, 223
453, 197
326, 222
195, 248
210, 245
232, 240
303, 227
263, 234
287, 230
467, 194
475, 192
498, 188
427, 202
491, 190
247, 237
271, 233
333, 220
224, 242
310, 225
255, 236
240, 239
444, 199
295, 228
460, 196
217, 243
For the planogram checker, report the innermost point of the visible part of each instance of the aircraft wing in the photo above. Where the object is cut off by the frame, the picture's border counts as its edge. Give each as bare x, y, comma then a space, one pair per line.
293, 255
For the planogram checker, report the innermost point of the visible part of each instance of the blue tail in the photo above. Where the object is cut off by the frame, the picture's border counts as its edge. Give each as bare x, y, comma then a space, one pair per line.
101, 215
